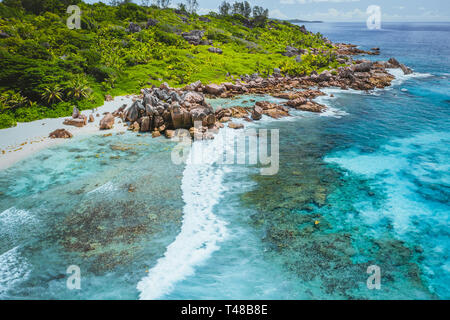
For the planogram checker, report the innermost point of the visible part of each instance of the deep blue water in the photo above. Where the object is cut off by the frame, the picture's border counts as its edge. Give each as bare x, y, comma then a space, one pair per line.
374, 173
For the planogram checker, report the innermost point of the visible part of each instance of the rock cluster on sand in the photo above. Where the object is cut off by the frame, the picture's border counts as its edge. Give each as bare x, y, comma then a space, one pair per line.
78, 120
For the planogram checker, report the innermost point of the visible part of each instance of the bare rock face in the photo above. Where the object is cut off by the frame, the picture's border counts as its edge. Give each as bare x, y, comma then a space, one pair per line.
107, 122
108, 97
60, 134
91, 118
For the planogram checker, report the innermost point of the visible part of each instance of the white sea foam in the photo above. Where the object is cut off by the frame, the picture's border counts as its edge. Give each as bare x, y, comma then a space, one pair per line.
201, 231
13, 270
14, 222
400, 77
106, 188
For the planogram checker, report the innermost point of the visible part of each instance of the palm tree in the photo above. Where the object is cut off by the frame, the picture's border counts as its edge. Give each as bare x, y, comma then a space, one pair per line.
52, 93
78, 88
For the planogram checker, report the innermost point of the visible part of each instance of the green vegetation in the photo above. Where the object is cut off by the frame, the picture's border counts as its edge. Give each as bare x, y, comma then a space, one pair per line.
46, 68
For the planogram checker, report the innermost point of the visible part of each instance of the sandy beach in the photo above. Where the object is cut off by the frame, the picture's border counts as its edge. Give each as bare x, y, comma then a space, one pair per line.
25, 139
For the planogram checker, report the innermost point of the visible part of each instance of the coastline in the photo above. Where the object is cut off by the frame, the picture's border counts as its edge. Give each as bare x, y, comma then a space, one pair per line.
26, 139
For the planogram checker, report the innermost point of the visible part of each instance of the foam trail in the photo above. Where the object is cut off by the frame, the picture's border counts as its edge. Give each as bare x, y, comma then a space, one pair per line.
13, 270
201, 230
400, 77
106, 188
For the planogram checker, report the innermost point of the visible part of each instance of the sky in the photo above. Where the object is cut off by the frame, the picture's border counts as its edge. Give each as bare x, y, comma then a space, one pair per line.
343, 10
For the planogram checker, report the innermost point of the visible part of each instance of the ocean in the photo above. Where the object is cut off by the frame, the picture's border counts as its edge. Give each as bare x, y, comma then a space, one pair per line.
365, 184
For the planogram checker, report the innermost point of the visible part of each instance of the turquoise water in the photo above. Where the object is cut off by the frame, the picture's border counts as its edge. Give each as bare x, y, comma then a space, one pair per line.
374, 172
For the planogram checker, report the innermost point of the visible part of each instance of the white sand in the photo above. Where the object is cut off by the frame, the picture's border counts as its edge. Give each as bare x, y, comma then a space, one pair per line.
28, 138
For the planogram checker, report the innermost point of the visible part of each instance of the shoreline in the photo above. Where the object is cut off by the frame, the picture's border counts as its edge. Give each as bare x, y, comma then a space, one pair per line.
26, 139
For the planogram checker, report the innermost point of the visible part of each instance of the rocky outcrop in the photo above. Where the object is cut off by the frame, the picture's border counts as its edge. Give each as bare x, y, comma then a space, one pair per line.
394, 63
292, 52
60, 134
194, 37
133, 28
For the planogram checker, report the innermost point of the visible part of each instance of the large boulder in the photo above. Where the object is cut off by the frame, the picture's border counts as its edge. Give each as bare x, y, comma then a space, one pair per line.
145, 124
181, 119
394, 62
132, 113
194, 98
214, 89
107, 122
405, 69
194, 37
257, 113
363, 67
60, 134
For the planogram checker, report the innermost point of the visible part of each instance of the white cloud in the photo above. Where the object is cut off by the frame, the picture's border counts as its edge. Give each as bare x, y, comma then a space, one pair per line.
317, 1
277, 14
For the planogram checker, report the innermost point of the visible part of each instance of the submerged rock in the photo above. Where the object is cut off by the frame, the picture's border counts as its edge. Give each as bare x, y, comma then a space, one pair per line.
235, 126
